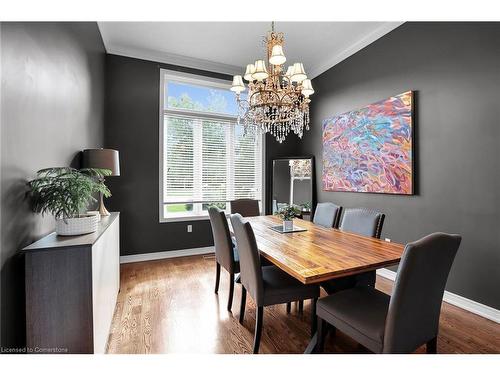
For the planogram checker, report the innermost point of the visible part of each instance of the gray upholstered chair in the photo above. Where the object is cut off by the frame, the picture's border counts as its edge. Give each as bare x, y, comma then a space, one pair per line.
366, 223
245, 207
266, 285
327, 215
408, 319
362, 221
226, 254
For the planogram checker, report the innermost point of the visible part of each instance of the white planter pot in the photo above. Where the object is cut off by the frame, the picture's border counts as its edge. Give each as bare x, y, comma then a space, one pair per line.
287, 225
95, 213
77, 225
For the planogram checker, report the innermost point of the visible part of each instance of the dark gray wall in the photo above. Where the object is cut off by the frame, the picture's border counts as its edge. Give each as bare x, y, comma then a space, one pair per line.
455, 70
51, 107
132, 127
132, 108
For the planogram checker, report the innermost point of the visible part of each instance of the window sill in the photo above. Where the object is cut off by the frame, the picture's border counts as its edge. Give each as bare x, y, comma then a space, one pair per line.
183, 218
189, 218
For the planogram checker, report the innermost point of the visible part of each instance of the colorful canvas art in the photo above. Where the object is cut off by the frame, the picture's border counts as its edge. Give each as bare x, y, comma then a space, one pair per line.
370, 149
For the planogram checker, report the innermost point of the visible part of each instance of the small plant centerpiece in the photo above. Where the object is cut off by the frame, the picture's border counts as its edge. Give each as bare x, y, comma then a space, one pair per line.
66, 193
287, 213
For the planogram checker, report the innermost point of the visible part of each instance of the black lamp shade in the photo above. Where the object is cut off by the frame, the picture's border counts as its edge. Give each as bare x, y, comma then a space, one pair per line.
102, 158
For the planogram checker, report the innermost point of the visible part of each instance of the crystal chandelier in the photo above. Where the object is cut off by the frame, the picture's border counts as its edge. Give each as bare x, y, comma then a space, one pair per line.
277, 100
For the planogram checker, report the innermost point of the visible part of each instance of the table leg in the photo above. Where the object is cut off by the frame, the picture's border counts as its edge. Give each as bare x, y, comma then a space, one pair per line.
312, 344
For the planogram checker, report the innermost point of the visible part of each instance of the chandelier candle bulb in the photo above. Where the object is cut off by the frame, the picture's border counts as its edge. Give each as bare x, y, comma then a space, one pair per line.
299, 73
307, 88
260, 71
277, 55
238, 85
249, 72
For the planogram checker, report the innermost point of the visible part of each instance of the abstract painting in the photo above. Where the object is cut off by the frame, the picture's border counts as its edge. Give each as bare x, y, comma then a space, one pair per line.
370, 149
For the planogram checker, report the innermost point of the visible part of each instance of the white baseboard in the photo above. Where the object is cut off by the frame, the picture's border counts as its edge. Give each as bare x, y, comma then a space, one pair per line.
388, 274
166, 254
456, 300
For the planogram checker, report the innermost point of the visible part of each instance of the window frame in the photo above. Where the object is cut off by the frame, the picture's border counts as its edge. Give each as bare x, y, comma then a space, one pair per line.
209, 82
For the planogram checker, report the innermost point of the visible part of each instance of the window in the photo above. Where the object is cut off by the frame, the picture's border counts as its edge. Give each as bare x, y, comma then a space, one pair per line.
205, 157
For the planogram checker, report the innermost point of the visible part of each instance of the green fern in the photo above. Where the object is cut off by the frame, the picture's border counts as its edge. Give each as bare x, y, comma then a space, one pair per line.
66, 192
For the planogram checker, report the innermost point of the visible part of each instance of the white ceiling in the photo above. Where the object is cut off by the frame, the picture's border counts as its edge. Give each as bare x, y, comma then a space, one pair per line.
227, 47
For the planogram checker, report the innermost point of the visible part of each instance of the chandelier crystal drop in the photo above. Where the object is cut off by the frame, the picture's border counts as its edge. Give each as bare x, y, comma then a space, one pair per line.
278, 99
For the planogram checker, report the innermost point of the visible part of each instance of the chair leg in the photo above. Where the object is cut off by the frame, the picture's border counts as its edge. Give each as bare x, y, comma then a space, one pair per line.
231, 291
431, 346
258, 329
321, 335
301, 306
288, 307
314, 321
217, 277
243, 302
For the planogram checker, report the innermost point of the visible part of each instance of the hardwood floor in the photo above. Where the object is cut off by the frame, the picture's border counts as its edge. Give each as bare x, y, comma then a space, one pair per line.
168, 306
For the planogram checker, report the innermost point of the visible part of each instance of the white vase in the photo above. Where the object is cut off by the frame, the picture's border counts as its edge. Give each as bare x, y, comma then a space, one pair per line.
74, 226
287, 225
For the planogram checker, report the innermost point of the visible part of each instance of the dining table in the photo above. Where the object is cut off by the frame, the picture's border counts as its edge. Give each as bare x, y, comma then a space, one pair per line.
314, 254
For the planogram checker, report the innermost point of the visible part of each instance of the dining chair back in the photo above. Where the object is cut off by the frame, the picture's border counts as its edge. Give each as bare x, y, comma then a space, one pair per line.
226, 255
327, 215
250, 265
223, 244
245, 207
415, 305
362, 221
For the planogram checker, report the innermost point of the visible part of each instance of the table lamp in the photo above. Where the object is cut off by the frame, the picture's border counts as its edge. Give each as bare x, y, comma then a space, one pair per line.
105, 159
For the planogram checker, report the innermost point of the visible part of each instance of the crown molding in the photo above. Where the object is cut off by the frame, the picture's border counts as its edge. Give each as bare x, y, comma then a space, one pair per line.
217, 67
379, 32
170, 58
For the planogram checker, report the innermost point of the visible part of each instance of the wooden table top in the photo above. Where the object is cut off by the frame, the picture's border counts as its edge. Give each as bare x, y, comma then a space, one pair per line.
321, 254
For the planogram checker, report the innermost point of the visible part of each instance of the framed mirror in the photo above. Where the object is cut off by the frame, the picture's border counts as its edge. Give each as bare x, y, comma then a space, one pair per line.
293, 183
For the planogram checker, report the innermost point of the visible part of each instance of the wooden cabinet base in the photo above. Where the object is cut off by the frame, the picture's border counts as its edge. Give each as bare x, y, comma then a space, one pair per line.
71, 288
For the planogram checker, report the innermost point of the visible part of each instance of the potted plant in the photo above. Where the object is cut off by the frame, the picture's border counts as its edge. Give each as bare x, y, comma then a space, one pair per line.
287, 213
306, 207
66, 193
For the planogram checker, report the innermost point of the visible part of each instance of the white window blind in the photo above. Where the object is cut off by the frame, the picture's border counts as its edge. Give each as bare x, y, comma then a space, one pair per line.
206, 157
